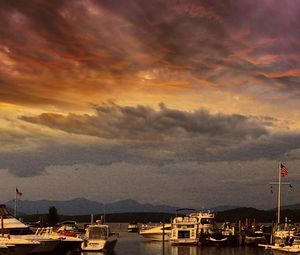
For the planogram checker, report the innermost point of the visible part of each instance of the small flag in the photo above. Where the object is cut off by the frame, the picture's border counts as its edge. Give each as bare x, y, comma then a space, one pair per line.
271, 189
283, 170
18, 193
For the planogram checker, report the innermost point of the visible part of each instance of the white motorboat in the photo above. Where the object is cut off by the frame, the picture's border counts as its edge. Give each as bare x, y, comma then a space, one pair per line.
225, 235
19, 230
184, 230
156, 233
68, 240
133, 227
99, 238
49, 241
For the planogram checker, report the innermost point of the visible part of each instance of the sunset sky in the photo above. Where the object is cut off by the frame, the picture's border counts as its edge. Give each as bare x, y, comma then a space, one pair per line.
186, 103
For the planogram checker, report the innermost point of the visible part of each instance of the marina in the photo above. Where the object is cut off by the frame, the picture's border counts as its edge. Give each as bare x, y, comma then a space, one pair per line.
195, 230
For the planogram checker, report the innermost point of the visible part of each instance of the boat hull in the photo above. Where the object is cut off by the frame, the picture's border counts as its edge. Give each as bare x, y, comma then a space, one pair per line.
46, 246
184, 241
68, 244
218, 242
99, 244
133, 230
155, 236
21, 249
254, 241
285, 250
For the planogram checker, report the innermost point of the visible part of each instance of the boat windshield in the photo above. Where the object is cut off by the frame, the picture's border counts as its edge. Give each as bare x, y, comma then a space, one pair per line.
286, 227
206, 221
185, 226
97, 232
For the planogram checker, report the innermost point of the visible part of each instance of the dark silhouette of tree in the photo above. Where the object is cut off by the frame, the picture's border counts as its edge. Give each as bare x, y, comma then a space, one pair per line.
52, 217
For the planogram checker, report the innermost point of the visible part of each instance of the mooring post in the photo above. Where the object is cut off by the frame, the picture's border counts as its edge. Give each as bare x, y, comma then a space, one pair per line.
272, 233
240, 233
163, 238
2, 226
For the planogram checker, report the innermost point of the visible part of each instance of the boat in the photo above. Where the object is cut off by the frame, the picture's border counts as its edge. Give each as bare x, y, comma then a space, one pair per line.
223, 236
205, 222
255, 236
284, 231
206, 225
133, 227
49, 240
184, 230
99, 238
69, 240
69, 228
67, 244
156, 233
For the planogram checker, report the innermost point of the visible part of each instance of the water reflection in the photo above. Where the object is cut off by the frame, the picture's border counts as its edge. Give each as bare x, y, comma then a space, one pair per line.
98, 253
183, 250
154, 247
133, 244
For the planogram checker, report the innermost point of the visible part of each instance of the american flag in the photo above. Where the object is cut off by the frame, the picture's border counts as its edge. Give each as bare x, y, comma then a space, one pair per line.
283, 170
18, 192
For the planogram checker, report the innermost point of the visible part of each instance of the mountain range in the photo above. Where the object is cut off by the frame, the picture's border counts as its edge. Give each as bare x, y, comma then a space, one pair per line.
83, 206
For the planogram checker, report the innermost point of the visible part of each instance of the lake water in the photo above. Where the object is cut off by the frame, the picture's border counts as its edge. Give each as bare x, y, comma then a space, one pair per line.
133, 244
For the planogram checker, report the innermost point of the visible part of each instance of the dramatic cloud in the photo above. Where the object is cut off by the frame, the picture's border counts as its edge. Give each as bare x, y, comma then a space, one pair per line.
141, 135
63, 49
144, 123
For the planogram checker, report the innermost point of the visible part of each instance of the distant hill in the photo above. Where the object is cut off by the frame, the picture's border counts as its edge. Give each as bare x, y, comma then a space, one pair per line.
82, 206
263, 216
290, 207
223, 208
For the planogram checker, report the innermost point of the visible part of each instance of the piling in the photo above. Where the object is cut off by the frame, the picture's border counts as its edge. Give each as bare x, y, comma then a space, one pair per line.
272, 233
240, 234
163, 239
2, 226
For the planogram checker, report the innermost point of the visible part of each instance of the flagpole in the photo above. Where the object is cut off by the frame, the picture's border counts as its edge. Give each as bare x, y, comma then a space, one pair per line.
279, 193
16, 203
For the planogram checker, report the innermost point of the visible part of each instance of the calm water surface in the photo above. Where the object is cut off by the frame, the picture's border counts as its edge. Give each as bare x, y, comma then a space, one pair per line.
133, 244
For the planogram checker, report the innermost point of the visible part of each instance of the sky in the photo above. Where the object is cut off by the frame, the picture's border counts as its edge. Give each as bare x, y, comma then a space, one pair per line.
185, 103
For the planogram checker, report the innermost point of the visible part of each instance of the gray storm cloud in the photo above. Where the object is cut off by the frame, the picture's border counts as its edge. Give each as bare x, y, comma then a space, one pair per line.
143, 136
144, 123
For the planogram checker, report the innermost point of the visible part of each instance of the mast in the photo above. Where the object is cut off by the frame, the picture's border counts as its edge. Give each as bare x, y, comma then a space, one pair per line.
279, 183
15, 204
279, 193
